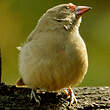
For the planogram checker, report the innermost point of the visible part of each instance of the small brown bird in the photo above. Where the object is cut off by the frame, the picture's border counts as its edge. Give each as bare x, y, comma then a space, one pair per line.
55, 56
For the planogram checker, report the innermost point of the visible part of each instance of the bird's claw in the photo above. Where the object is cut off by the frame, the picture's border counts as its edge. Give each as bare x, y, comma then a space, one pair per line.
36, 98
70, 95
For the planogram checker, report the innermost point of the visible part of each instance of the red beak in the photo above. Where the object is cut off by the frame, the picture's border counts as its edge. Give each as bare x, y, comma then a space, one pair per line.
80, 10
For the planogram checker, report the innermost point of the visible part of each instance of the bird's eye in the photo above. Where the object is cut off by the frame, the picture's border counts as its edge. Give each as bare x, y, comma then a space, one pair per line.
67, 7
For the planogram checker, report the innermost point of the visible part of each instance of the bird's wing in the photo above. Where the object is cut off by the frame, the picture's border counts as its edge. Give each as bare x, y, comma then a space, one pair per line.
32, 34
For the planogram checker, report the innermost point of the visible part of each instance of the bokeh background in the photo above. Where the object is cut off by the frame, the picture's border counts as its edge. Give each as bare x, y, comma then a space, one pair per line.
19, 17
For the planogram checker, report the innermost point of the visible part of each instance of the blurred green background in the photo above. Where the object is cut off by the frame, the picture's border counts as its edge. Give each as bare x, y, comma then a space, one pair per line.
19, 17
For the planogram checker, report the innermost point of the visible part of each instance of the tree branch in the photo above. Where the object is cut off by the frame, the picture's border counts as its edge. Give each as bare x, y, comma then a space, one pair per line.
89, 98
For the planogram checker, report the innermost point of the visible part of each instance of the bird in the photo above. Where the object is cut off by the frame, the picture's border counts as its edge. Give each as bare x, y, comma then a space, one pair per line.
54, 56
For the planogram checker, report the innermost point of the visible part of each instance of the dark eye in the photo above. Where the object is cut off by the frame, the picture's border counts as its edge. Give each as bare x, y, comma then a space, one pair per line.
66, 7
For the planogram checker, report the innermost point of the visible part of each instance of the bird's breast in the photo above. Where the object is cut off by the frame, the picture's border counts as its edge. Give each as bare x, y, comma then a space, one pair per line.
53, 63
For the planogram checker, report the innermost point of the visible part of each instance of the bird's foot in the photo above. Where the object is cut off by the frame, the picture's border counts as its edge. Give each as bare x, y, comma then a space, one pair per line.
70, 95
35, 97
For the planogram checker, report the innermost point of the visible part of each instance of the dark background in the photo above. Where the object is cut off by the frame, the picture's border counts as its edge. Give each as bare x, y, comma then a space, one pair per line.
19, 17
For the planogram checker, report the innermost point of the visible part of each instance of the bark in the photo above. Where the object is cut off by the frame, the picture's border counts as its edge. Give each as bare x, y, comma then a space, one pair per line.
89, 98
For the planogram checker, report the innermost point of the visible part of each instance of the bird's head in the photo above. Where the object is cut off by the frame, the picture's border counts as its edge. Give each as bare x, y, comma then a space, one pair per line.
64, 15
